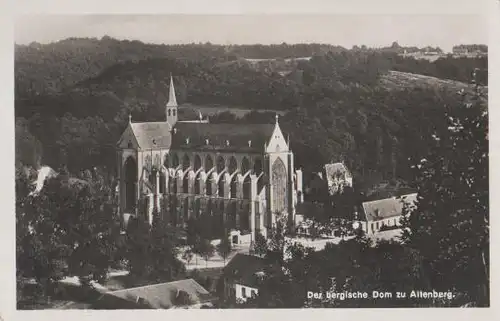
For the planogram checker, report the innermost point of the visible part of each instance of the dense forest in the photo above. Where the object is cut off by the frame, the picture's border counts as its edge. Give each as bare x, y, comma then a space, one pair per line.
73, 98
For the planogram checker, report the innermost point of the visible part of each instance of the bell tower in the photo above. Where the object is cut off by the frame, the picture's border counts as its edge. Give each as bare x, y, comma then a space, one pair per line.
171, 108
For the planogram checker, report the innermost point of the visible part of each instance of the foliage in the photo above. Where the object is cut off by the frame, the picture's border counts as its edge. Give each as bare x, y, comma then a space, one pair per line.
152, 252
68, 227
224, 247
450, 224
205, 249
182, 299
28, 147
260, 244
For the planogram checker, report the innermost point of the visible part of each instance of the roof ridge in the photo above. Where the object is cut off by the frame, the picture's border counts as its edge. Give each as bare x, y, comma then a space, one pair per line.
390, 198
151, 285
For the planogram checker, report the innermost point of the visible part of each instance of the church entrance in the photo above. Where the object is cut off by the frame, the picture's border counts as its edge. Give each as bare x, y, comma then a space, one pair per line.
130, 185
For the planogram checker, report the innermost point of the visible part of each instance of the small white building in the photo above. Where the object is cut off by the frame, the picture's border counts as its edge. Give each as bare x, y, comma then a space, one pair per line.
331, 180
242, 277
385, 212
337, 176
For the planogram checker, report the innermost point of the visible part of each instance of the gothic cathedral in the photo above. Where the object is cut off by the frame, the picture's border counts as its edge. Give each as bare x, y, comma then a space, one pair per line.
241, 176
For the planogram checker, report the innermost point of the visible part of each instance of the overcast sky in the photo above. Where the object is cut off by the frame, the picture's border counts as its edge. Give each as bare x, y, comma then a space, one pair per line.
345, 30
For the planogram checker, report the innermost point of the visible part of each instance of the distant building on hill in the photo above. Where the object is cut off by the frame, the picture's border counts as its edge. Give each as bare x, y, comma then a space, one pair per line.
383, 213
470, 50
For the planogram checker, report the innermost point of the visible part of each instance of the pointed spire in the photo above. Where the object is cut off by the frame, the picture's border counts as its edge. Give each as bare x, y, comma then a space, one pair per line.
172, 100
277, 117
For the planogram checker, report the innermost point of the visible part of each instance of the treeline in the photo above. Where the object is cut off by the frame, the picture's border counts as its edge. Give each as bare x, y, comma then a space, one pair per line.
48, 68
460, 69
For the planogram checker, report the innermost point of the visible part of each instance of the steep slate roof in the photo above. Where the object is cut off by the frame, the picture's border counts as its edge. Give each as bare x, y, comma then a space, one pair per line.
152, 134
162, 296
242, 269
385, 208
194, 136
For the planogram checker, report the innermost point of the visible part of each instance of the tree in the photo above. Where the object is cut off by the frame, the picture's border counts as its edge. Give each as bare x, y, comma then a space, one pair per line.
165, 266
188, 255
205, 249
224, 247
450, 224
260, 244
182, 298
69, 227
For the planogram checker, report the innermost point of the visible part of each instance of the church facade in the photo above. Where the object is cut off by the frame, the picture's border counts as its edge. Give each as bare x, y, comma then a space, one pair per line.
241, 176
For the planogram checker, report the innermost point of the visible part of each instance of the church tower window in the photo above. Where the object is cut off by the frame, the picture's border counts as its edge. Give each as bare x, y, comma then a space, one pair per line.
279, 185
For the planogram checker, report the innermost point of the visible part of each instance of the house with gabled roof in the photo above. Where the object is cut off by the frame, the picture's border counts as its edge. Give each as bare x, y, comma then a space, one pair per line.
241, 175
171, 295
242, 276
386, 212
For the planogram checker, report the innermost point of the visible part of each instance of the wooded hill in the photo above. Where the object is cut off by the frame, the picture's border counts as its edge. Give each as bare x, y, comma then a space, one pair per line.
361, 106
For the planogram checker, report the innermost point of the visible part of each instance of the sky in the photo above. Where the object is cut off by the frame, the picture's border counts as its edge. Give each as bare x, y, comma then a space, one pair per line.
345, 30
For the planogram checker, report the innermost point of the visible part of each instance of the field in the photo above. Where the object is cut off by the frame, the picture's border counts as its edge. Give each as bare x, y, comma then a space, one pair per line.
211, 110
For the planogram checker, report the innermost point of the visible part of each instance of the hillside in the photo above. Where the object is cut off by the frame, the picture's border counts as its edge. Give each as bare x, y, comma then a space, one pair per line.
344, 105
396, 80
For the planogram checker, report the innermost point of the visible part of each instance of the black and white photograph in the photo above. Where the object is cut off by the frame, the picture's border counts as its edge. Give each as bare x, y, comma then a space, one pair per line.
251, 161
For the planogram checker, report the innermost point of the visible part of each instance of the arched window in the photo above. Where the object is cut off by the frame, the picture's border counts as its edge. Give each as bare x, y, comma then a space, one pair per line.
208, 187
233, 187
247, 184
175, 160
233, 165
186, 162
157, 162
220, 164
245, 165
280, 186
169, 112
162, 183
148, 162
173, 112
131, 178
221, 186
209, 163
166, 161
257, 167
197, 162
197, 183
185, 184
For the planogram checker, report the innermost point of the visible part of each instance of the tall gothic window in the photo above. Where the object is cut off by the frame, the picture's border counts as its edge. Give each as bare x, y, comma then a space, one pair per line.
197, 162
209, 163
280, 186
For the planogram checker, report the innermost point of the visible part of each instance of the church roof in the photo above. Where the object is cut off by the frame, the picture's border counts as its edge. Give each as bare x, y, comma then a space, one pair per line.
207, 136
152, 134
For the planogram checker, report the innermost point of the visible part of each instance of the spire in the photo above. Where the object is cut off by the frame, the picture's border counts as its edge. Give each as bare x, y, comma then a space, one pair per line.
130, 118
277, 117
172, 100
